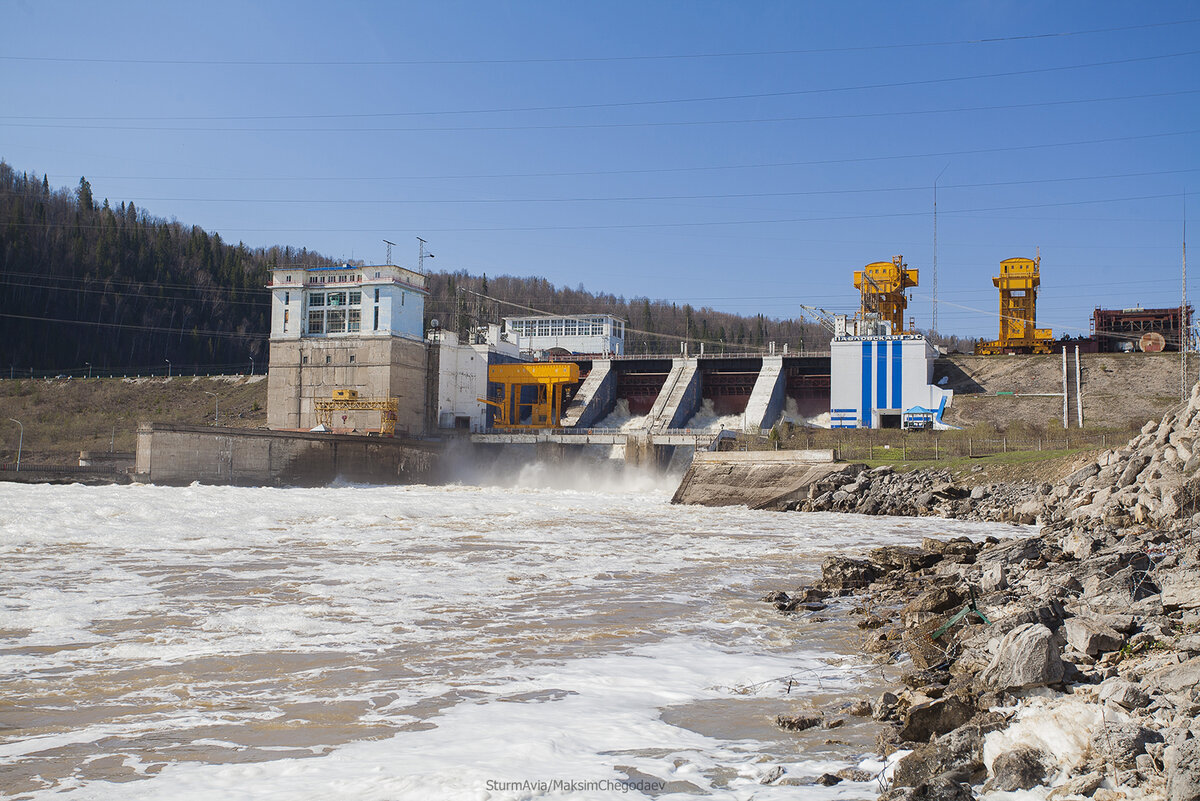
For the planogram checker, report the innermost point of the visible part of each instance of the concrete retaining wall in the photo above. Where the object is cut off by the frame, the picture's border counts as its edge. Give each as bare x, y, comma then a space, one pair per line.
760, 480
177, 455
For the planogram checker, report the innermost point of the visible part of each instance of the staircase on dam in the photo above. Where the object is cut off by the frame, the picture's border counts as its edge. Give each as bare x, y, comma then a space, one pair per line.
767, 398
679, 399
595, 398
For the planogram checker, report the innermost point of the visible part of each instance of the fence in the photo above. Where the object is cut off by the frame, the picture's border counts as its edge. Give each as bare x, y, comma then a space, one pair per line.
928, 446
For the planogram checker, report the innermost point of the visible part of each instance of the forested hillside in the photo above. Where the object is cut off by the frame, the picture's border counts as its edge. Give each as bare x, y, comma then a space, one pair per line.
96, 285
84, 281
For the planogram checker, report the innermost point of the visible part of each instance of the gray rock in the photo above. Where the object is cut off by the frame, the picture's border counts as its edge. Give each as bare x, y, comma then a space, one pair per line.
1081, 475
799, 722
1181, 764
885, 706
959, 751
935, 717
1133, 467
1083, 785
1119, 744
994, 577
1026, 657
1176, 678
1180, 589
1123, 693
843, 573
1092, 637
1021, 768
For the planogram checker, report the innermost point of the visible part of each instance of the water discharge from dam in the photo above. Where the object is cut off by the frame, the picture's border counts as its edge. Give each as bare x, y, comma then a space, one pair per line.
419, 642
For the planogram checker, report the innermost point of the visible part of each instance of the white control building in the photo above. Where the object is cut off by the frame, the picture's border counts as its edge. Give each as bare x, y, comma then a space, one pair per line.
600, 334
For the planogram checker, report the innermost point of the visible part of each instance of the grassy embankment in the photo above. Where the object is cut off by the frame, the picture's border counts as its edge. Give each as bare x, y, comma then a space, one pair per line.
65, 416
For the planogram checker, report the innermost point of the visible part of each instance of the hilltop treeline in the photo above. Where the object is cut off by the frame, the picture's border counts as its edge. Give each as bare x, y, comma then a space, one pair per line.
84, 281
459, 301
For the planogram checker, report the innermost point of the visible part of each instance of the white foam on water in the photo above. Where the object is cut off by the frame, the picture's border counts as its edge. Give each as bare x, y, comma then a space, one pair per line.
528, 633
706, 419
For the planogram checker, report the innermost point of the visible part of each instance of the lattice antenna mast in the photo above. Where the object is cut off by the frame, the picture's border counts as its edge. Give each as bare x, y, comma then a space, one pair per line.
934, 327
388, 259
422, 255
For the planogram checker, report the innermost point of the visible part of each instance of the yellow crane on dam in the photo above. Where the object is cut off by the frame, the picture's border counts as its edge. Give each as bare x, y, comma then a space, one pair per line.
531, 393
882, 285
1018, 283
348, 400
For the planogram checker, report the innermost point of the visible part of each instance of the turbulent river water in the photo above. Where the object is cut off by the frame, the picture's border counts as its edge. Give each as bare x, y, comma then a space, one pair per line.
504, 642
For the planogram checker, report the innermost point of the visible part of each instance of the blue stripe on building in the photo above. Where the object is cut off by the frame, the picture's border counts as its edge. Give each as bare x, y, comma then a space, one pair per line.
865, 412
881, 370
897, 374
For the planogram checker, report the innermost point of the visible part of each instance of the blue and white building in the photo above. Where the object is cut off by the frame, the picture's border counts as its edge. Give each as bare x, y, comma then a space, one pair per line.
875, 380
599, 334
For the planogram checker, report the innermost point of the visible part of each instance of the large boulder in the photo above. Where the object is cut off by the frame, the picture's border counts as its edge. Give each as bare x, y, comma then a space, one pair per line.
843, 573
935, 717
1091, 637
1181, 764
1120, 744
1020, 768
1026, 657
959, 752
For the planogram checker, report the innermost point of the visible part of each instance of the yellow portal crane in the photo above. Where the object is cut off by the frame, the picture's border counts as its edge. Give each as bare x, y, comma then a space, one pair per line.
1018, 283
348, 400
882, 285
531, 394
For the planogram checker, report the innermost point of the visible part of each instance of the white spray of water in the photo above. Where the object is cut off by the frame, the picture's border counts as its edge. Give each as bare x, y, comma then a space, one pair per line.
706, 419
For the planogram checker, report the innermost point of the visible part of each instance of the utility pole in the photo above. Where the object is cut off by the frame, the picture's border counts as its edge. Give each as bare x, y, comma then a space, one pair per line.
934, 326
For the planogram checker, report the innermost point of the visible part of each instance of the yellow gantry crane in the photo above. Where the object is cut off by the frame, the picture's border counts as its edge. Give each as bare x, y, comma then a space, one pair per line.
1018, 283
348, 400
883, 285
531, 393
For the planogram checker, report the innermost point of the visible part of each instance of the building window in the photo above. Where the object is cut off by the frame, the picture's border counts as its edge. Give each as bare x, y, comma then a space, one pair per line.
287, 278
335, 321
316, 299
356, 297
304, 360
354, 321
377, 291
287, 298
376, 328
285, 320
316, 322
401, 297
352, 358
328, 359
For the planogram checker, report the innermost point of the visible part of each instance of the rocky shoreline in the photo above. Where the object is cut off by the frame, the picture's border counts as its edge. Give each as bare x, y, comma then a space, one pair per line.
1061, 665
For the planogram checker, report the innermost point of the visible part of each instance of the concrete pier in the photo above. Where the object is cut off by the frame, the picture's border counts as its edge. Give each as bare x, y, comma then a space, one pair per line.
595, 398
178, 455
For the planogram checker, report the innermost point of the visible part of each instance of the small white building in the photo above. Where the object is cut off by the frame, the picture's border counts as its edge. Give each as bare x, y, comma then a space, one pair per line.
462, 375
601, 334
874, 380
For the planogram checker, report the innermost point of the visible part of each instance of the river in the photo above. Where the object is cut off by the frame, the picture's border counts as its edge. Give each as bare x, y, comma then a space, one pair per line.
565, 636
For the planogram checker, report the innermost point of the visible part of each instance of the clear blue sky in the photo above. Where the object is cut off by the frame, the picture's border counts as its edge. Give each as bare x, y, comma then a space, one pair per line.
747, 156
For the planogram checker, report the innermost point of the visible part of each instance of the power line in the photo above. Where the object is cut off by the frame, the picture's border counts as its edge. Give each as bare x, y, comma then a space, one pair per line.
588, 59
646, 103
706, 168
807, 118
133, 327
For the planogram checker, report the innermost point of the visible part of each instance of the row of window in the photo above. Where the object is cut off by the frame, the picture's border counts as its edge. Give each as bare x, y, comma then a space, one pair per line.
558, 327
